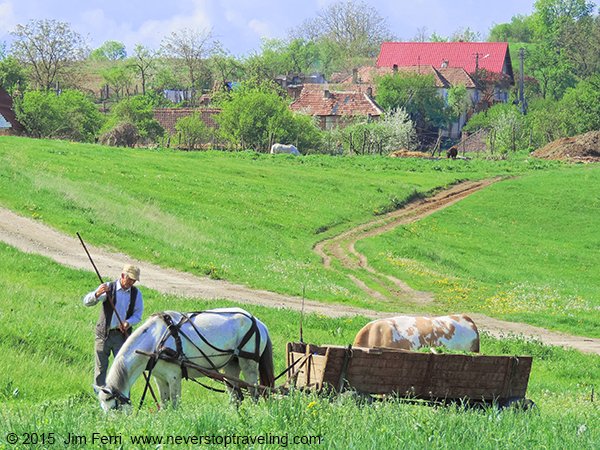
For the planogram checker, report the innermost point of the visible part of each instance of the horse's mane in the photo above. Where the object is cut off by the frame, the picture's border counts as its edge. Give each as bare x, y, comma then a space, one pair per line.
118, 373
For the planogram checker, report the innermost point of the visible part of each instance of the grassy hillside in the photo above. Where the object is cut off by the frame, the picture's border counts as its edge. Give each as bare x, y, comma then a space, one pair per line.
245, 217
46, 343
525, 249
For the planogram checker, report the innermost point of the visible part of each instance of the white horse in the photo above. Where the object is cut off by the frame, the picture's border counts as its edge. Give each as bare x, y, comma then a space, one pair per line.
230, 339
456, 332
282, 148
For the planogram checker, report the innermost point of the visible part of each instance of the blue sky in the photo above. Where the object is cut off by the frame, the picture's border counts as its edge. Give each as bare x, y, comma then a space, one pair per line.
241, 24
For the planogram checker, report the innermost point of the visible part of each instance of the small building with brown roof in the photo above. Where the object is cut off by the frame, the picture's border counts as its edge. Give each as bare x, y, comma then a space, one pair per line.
335, 108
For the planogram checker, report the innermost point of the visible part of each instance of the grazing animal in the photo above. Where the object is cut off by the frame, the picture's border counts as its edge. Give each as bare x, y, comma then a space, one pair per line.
456, 332
282, 148
230, 339
452, 152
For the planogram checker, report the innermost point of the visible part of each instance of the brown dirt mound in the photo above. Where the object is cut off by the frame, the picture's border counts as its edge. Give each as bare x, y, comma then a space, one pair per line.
581, 148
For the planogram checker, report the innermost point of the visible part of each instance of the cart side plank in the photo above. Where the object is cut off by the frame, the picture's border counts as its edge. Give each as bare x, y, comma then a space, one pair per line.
419, 375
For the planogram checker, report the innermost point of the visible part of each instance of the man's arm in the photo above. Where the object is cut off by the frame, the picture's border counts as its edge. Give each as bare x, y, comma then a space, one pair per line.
136, 317
99, 295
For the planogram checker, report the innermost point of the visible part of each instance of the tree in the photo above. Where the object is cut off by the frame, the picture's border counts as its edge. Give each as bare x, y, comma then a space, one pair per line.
465, 35
507, 131
581, 41
224, 66
520, 29
551, 16
12, 75
459, 104
48, 47
256, 117
353, 27
143, 62
191, 48
418, 96
70, 115
109, 51
551, 69
119, 78
580, 107
393, 132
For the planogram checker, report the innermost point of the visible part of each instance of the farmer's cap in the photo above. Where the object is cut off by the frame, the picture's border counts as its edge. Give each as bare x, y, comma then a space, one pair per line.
132, 272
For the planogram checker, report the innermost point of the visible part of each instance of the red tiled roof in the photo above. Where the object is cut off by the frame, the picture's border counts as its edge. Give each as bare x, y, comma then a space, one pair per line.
457, 76
319, 101
443, 78
168, 117
492, 55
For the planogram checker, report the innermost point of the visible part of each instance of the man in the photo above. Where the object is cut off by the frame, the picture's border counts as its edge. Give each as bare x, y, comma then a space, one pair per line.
113, 329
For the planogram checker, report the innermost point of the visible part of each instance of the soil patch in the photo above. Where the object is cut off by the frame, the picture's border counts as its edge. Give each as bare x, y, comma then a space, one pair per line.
581, 148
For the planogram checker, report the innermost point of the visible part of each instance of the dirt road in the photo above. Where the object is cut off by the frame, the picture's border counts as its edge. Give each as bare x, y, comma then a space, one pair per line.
33, 237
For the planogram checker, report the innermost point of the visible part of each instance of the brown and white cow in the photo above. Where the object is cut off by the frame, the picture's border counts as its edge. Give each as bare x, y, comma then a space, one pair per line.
456, 332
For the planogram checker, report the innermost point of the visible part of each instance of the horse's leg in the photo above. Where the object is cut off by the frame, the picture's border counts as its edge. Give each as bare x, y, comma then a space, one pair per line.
250, 370
163, 390
175, 388
232, 369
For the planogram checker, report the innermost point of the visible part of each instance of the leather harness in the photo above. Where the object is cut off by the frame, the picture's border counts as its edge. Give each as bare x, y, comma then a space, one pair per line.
174, 330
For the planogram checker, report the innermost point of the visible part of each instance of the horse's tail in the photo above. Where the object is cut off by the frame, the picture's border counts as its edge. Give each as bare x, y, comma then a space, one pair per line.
266, 370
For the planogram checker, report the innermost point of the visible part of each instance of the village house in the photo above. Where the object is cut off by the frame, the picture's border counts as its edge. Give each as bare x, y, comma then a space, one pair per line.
364, 79
487, 62
335, 108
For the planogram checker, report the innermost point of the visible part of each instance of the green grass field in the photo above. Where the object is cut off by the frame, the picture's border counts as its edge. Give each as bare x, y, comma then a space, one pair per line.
46, 343
524, 248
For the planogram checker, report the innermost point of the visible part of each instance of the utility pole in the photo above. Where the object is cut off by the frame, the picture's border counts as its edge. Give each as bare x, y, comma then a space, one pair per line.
521, 82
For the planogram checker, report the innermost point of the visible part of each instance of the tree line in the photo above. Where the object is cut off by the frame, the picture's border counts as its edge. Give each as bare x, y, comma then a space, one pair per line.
561, 72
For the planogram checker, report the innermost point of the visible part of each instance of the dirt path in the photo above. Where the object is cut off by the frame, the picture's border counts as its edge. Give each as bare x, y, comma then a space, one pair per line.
33, 237
342, 247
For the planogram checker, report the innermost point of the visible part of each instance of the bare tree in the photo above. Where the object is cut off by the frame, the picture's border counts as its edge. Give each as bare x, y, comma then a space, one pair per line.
192, 48
354, 26
422, 35
143, 62
49, 47
224, 65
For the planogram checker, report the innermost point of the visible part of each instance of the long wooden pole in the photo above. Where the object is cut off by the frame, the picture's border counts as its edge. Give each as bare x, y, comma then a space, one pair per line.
112, 304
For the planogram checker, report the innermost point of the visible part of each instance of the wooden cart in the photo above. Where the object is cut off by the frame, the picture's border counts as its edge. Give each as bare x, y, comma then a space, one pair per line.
433, 377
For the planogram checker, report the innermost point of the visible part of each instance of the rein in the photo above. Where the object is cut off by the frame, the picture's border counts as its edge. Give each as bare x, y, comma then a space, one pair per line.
119, 397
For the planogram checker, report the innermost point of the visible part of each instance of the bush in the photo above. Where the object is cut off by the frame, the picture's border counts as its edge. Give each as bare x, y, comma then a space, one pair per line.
393, 132
124, 134
70, 115
257, 117
137, 111
191, 131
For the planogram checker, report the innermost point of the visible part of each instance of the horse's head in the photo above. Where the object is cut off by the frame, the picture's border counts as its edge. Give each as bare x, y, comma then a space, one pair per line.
111, 398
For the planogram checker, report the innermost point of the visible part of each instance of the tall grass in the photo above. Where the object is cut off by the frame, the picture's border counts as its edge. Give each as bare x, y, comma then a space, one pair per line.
46, 343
